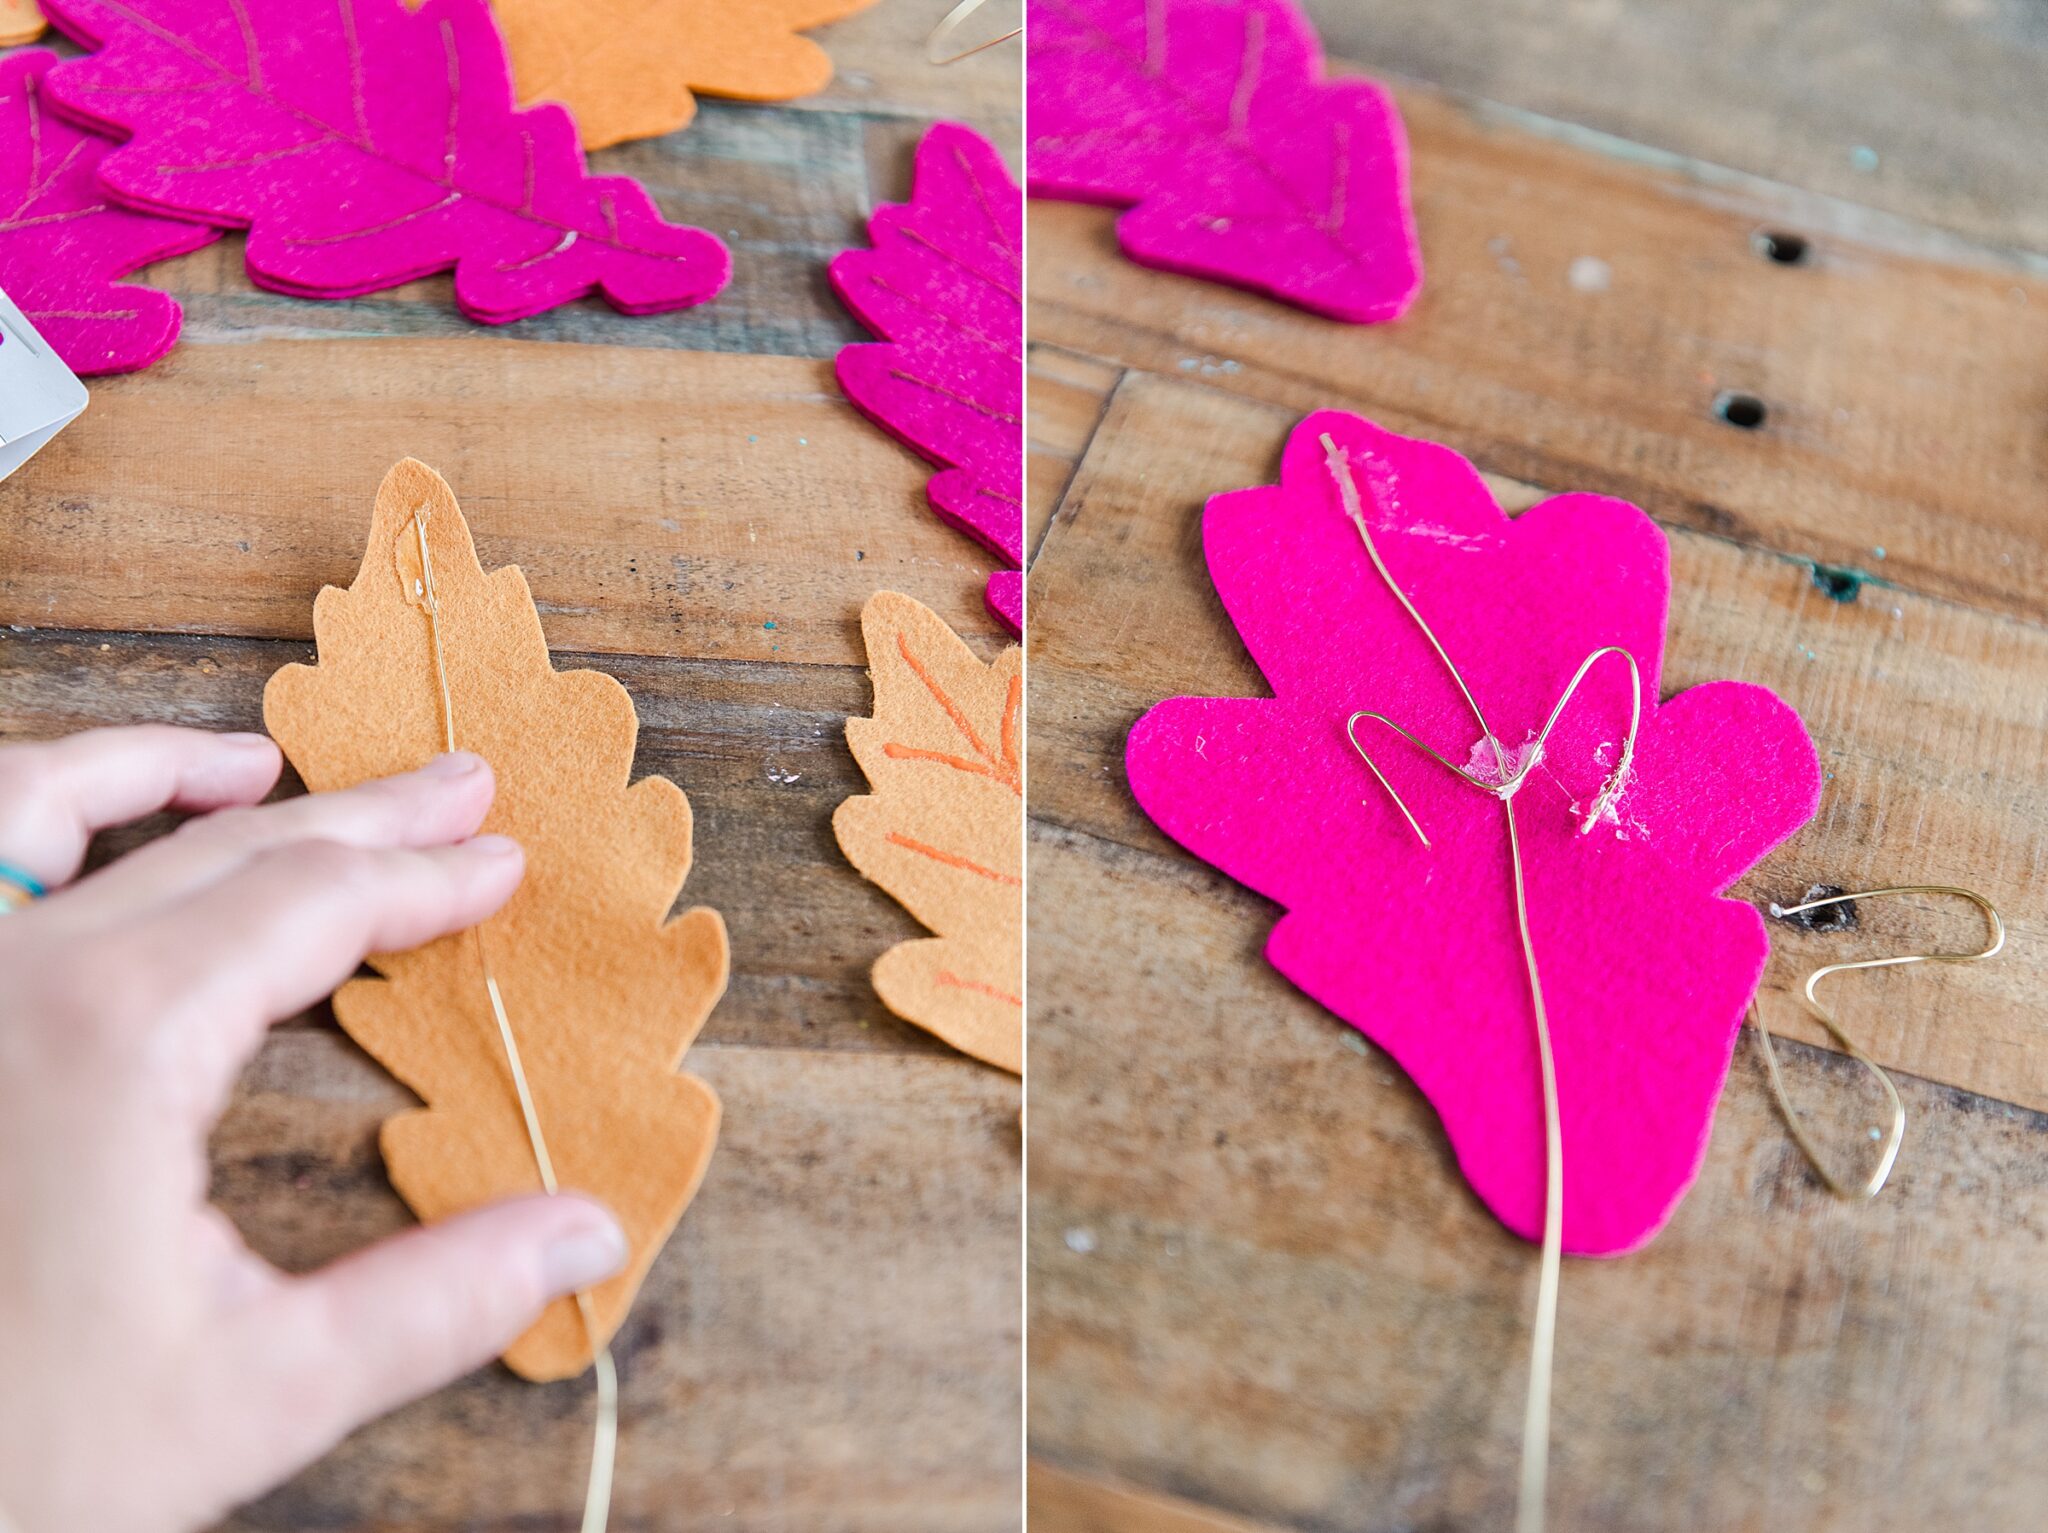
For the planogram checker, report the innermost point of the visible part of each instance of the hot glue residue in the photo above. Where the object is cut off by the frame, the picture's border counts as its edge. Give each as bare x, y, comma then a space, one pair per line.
408, 555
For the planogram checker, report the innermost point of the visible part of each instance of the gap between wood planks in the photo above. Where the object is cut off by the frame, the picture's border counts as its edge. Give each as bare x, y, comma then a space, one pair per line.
760, 749
1900, 396
661, 502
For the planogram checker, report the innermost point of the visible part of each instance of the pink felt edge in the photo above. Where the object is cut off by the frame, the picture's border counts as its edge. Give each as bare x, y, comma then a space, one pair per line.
1242, 750
941, 283
62, 250
563, 235
1239, 160
1005, 598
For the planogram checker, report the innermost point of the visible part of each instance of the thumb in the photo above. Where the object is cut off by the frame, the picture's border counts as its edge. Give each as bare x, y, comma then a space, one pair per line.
323, 1354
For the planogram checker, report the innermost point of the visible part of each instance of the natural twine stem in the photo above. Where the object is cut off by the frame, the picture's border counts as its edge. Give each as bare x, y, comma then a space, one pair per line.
597, 1498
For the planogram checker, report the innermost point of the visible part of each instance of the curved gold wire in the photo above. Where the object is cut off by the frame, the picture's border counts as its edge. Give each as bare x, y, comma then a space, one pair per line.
1874, 1183
1529, 1506
1506, 787
951, 23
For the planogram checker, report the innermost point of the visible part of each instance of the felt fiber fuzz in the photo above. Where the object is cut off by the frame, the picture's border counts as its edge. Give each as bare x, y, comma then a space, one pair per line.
626, 68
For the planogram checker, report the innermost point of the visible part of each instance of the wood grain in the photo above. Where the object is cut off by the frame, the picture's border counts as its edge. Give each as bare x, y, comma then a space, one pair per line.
797, 1358
1257, 1282
662, 502
1943, 100
1261, 1296
786, 187
1064, 1502
1068, 394
1904, 396
879, 67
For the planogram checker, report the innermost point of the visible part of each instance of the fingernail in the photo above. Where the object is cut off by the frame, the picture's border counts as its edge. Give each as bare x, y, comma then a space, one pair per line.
583, 1257
243, 740
453, 764
493, 846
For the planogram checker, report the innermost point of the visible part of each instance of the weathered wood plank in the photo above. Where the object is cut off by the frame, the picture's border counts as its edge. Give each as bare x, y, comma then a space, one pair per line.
1258, 1283
1903, 395
661, 502
830, 1339
760, 749
1933, 112
879, 67
1063, 1502
1067, 394
1931, 720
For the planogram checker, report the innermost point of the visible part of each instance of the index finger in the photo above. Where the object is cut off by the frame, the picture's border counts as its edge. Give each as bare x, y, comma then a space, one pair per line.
283, 930
55, 795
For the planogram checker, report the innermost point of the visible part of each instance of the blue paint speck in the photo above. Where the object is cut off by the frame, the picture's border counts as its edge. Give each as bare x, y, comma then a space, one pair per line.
769, 624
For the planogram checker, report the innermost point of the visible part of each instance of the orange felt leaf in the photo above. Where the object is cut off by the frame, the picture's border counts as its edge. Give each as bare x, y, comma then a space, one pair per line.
943, 831
626, 68
21, 21
603, 991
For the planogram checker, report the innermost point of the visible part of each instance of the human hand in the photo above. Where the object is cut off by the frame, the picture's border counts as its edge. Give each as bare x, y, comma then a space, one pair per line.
153, 1371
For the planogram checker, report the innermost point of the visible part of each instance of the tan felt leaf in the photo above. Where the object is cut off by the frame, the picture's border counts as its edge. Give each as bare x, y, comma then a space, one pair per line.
626, 68
21, 21
603, 992
943, 830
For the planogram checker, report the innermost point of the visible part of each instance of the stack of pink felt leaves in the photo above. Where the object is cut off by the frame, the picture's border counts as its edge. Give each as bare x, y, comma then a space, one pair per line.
943, 284
362, 145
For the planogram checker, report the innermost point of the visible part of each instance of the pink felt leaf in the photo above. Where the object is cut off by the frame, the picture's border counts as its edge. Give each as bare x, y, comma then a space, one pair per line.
364, 145
1646, 969
63, 244
1239, 159
943, 285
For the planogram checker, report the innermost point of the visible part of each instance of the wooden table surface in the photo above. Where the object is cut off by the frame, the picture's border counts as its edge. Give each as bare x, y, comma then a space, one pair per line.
1261, 1297
831, 1340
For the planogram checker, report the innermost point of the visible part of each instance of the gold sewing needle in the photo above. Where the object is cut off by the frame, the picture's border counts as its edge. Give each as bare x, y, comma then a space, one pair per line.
597, 1499
949, 23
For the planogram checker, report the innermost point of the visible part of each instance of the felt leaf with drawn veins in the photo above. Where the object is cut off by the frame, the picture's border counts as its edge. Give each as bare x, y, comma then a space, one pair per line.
364, 145
1239, 159
943, 284
943, 830
603, 988
63, 244
626, 68
1646, 970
